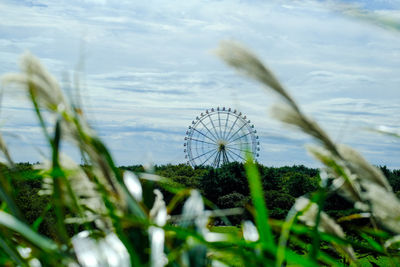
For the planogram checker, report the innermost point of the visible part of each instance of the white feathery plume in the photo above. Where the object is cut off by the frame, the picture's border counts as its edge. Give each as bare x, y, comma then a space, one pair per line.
365, 171
83, 188
344, 180
385, 206
309, 214
107, 251
41, 84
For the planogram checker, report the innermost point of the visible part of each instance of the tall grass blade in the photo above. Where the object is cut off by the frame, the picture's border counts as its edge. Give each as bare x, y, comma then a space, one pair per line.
57, 175
4, 149
257, 196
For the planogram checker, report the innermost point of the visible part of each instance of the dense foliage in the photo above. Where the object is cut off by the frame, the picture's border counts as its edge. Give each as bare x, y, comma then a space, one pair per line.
226, 187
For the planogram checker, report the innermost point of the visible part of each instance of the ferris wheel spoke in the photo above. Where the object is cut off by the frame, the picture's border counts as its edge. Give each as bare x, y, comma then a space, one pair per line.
225, 159
248, 143
212, 123
209, 158
204, 153
219, 158
243, 150
236, 154
205, 135
235, 132
205, 126
230, 130
239, 137
216, 159
226, 126
197, 140
219, 122
229, 155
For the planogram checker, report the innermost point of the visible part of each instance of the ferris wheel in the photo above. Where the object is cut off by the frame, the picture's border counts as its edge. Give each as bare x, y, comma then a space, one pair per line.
219, 136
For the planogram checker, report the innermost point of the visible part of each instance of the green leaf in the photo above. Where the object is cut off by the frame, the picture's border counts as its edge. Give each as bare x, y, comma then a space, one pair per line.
372, 242
12, 252
39, 220
319, 199
16, 225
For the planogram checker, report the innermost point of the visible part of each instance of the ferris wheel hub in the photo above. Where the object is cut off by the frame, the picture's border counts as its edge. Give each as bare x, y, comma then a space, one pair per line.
221, 146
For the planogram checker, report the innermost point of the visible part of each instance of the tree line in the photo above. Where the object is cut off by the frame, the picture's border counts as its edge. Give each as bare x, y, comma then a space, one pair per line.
226, 187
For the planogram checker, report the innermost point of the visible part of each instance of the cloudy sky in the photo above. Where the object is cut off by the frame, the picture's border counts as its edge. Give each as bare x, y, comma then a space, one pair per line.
147, 69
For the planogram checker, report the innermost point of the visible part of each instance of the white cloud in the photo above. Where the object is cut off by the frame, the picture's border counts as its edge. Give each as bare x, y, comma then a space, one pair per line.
147, 70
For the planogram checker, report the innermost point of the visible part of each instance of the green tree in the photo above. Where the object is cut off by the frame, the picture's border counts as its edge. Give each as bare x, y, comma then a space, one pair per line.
298, 184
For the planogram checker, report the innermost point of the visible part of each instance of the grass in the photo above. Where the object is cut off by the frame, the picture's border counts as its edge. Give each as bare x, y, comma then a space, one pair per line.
230, 258
226, 230
379, 261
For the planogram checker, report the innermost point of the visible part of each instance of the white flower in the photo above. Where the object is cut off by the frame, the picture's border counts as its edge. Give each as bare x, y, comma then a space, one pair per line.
107, 251
193, 209
157, 235
133, 184
250, 232
159, 211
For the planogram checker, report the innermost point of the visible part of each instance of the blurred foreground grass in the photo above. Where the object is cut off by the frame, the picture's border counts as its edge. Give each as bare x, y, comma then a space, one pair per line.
109, 217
